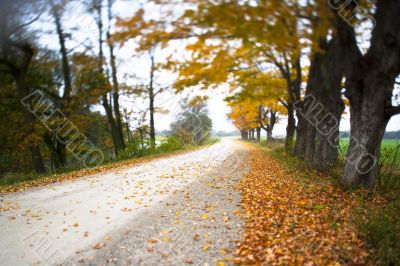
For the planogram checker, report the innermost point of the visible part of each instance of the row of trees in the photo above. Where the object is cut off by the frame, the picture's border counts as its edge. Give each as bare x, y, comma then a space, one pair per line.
301, 59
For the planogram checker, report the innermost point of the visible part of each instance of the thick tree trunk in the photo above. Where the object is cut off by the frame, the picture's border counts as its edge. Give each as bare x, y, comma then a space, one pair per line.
269, 134
310, 143
244, 134
20, 77
320, 112
290, 128
304, 147
270, 127
57, 151
37, 159
370, 80
327, 135
258, 134
368, 123
327, 128
301, 136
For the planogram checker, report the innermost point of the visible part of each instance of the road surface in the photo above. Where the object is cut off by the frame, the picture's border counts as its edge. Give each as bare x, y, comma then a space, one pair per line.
177, 210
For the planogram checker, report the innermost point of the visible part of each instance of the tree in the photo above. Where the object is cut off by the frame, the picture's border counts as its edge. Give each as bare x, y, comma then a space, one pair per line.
370, 80
267, 29
150, 40
115, 83
97, 8
193, 126
244, 115
16, 53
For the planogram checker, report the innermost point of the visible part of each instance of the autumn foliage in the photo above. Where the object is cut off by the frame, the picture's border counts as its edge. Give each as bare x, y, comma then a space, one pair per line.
295, 222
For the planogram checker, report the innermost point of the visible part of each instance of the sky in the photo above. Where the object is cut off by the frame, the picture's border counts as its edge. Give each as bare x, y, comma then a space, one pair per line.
130, 63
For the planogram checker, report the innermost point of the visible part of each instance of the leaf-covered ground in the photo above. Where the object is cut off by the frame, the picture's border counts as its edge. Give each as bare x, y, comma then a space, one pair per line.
290, 221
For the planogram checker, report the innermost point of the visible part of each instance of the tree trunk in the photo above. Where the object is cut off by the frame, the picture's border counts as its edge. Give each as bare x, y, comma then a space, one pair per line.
301, 137
61, 151
117, 112
320, 112
258, 134
107, 106
113, 125
151, 103
368, 122
270, 127
370, 80
290, 128
269, 134
20, 77
244, 134
64, 57
327, 128
57, 152
128, 133
37, 159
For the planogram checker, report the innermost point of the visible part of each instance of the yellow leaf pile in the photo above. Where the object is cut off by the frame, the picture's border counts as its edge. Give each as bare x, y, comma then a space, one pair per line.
293, 222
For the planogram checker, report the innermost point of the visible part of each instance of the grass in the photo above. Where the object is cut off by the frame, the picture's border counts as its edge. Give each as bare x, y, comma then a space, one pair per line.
379, 226
388, 150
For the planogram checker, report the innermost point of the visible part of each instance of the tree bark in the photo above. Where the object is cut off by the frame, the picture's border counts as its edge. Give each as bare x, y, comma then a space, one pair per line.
20, 77
151, 102
64, 55
107, 107
113, 126
258, 134
370, 80
114, 76
301, 137
320, 112
244, 134
60, 148
327, 129
290, 128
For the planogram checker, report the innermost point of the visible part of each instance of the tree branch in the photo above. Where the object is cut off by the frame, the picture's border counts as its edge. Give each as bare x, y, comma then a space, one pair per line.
392, 111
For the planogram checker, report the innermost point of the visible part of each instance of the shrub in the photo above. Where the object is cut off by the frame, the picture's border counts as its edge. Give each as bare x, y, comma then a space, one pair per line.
170, 144
380, 229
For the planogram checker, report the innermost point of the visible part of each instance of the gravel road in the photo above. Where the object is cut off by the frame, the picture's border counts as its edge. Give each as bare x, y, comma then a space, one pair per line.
179, 210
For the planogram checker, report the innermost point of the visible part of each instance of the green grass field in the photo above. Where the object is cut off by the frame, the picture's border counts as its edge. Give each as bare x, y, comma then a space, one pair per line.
388, 149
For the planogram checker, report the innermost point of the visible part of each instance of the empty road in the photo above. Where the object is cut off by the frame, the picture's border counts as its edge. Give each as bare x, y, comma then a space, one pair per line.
178, 210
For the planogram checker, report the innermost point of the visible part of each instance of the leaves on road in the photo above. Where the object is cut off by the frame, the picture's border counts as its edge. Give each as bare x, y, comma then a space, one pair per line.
7, 189
289, 221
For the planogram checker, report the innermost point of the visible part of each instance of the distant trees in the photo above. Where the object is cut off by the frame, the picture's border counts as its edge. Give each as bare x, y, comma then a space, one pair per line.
192, 126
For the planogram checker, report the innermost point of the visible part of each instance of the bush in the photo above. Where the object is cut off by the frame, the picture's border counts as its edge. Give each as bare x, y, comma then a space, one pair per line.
380, 229
171, 144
